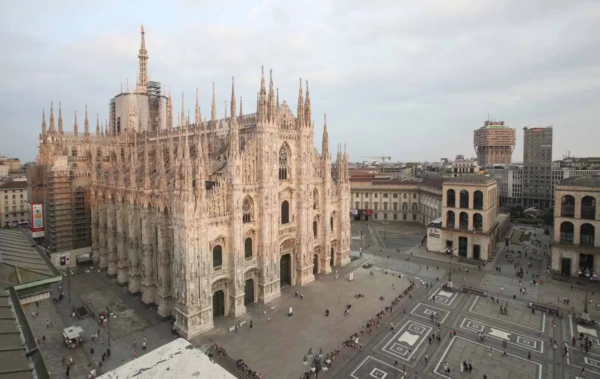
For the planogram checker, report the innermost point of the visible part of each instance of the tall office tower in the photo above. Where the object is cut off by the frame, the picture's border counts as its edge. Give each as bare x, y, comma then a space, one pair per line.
494, 143
537, 167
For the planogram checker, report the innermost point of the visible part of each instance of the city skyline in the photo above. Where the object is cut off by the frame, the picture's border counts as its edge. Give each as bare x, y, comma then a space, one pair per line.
513, 70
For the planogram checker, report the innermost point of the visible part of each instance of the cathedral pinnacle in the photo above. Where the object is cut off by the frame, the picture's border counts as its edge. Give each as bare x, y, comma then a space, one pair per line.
183, 109
43, 122
277, 101
213, 110
197, 114
262, 97
60, 120
233, 103
75, 126
307, 110
300, 115
271, 97
241, 113
97, 125
86, 123
325, 147
51, 117
143, 58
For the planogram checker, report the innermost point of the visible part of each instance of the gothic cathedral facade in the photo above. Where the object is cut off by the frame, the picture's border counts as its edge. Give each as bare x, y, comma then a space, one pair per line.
205, 218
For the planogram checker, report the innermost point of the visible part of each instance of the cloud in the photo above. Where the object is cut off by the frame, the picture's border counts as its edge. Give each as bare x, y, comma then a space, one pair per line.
406, 79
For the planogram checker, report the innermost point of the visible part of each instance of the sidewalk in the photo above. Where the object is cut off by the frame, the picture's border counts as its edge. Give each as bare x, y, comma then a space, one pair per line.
54, 349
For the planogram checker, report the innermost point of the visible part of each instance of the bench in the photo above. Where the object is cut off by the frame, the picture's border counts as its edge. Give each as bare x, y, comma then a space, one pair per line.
474, 291
550, 309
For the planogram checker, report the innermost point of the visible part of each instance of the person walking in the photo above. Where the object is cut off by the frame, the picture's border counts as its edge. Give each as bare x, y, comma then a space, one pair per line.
251, 325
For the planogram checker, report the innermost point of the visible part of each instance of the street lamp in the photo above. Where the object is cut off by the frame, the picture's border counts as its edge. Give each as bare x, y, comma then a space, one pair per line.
317, 363
450, 252
108, 332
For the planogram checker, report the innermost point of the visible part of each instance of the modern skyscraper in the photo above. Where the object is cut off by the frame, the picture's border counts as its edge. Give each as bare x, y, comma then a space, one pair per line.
537, 167
494, 143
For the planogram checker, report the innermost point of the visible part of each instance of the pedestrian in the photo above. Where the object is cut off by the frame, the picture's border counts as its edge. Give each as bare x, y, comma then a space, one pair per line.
134, 354
268, 319
426, 358
490, 353
251, 325
134, 344
301, 296
529, 355
144, 346
47, 324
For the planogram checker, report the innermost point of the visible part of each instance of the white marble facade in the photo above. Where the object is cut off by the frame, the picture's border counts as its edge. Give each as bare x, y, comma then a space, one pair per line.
202, 222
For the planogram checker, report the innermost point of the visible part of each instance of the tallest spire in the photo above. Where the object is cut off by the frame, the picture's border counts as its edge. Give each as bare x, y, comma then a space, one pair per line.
142, 83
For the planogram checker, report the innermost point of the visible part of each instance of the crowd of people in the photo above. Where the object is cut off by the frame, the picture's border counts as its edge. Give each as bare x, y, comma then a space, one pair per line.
353, 342
242, 366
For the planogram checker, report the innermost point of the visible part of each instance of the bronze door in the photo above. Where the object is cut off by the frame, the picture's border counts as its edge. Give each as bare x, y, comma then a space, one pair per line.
285, 270
218, 304
249, 292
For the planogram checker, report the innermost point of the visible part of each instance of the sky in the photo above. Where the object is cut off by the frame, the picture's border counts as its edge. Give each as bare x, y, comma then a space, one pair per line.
406, 79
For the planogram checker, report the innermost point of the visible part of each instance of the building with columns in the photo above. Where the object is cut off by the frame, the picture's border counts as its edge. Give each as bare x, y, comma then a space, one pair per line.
470, 225
576, 246
204, 218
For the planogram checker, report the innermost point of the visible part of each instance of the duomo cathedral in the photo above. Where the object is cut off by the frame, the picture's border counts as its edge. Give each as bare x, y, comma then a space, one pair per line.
201, 218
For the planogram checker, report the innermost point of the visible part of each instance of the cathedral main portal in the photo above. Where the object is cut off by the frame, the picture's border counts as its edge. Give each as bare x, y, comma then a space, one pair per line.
249, 292
285, 270
219, 304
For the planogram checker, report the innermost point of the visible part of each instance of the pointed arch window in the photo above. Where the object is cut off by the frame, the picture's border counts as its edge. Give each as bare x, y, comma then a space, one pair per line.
285, 212
315, 228
122, 153
74, 152
217, 256
331, 223
315, 199
248, 248
247, 211
283, 163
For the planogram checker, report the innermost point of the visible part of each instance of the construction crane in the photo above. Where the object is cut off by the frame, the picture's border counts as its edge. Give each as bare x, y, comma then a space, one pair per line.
383, 159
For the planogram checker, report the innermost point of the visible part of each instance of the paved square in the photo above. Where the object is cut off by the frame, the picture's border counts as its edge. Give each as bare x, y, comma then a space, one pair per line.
444, 297
275, 348
590, 331
372, 367
518, 314
579, 359
425, 311
404, 343
501, 334
497, 367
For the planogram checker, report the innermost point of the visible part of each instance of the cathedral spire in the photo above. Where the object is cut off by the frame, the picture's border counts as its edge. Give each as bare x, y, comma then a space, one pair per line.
51, 117
75, 126
233, 105
213, 110
197, 114
43, 122
262, 97
307, 110
60, 119
271, 98
183, 109
241, 113
325, 146
170, 111
300, 115
143, 57
97, 124
86, 123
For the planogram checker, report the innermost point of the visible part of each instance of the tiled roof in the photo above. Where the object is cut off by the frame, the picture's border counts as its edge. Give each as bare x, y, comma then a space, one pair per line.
15, 184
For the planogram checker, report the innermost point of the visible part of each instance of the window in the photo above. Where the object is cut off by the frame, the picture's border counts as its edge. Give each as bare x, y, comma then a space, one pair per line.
315, 199
283, 163
385, 216
217, 256
74, 152
385, 195
385, 205
315, 229
395, 206
395, 196
248, 248
285, 212
395, 216
414, 217
376, 195
414, 195
247, 211
404, 196
450, 198
331, 223
404, 216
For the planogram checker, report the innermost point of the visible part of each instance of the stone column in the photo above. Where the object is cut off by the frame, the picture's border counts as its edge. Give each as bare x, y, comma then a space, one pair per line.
135, 277
95, 232
122, 265
148, 259
164, 297
111, 231
103, 252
